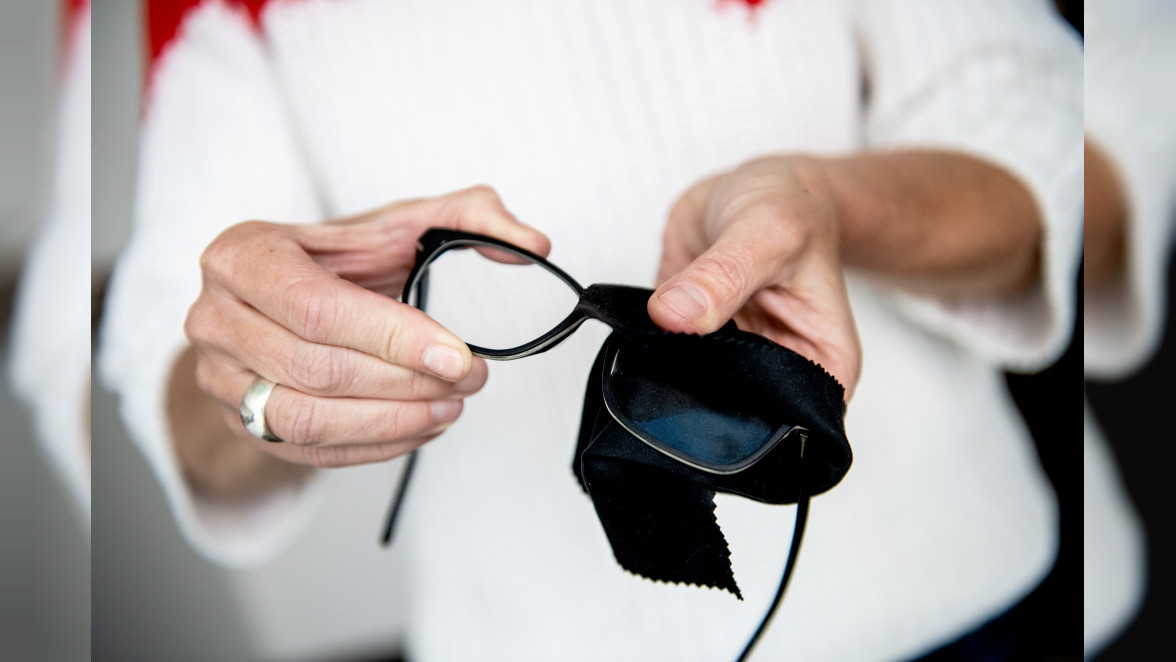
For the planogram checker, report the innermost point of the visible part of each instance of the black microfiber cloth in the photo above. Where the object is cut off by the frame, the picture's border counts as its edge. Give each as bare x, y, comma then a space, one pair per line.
657, 511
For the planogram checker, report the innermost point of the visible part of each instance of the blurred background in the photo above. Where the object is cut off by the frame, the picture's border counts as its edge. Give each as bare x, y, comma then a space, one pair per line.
44, 557
151, 597
137, 591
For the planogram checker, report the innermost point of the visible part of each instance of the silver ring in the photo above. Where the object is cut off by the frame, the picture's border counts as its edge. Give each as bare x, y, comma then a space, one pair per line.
253, 409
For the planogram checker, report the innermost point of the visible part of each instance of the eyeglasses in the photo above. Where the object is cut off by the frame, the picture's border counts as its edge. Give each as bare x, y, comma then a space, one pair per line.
724, 411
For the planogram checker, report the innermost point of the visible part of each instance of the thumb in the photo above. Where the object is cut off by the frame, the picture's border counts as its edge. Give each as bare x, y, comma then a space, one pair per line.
712, 288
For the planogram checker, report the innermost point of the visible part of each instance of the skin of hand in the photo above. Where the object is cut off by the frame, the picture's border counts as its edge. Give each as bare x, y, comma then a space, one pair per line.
361, 377
760, 245
1104, 238
766, 244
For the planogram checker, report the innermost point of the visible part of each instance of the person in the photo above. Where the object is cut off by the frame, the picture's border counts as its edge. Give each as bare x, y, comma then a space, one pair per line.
1129, 220
51, 325
892, 189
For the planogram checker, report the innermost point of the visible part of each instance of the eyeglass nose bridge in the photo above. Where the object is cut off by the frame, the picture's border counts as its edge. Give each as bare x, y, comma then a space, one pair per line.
622, 307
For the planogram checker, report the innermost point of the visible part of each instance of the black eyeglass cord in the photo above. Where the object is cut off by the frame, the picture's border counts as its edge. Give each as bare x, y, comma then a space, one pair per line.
802, 507
395, 510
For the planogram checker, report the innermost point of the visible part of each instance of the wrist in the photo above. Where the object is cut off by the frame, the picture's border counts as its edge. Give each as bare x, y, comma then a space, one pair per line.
1105, 229
860, 210
935, 222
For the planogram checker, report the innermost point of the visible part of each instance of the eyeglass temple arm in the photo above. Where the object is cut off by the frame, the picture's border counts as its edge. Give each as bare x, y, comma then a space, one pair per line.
394, 511
802, 507
422, 294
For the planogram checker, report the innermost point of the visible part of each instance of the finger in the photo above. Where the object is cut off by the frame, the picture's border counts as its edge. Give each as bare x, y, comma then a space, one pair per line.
319, 307
820, 327
301, 419
270, 350
350, 455
307, 420
332, 456
716, 284
479, 209
397, 226
684, 237
503, 256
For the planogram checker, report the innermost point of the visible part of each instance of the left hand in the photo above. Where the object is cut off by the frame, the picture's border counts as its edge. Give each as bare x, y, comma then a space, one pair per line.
761, 245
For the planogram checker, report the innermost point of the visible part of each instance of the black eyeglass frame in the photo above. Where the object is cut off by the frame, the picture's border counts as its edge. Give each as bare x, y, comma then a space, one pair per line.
632, 427
436, 241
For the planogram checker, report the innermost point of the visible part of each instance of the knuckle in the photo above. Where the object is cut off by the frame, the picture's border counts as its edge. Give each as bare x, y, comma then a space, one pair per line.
768, 212
318, 369
779, 224
316, 310
200, 324
303, 420
393, 423
767, 220
483, 195
219, 253
221, 256
401, 421
421, 385
482, 208
397, 337
193, 325
216, 255
724, 275
325, 457
205, 375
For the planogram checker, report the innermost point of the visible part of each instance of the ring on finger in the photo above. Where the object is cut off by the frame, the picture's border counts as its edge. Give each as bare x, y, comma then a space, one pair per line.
253, 409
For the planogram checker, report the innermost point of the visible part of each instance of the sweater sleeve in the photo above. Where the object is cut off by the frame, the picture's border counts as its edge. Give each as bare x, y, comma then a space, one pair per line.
217, 147
1000, 81
50, 356
1131, 117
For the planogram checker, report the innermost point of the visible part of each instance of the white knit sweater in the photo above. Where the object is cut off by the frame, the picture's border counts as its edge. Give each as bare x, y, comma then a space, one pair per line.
1131, 116
589, 118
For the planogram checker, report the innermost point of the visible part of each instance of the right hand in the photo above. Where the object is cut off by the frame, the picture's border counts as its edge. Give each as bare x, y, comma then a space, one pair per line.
361, 377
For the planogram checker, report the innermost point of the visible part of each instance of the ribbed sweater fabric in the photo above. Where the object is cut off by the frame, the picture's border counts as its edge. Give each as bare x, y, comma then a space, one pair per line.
589, 118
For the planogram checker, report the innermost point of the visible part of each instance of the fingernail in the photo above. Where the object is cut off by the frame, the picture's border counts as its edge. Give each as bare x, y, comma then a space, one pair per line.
686, 300
444, 411
444, 361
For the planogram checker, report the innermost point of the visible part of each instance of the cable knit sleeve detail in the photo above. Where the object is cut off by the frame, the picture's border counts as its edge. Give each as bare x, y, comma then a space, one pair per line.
1000, 81
216, 148
1131, 117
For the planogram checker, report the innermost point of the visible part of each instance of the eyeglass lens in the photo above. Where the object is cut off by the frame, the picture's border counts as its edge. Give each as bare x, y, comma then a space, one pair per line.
685, 410
498, 300
494, 299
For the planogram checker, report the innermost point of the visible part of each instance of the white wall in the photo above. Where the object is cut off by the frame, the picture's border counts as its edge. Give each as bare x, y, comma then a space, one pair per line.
27, 52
